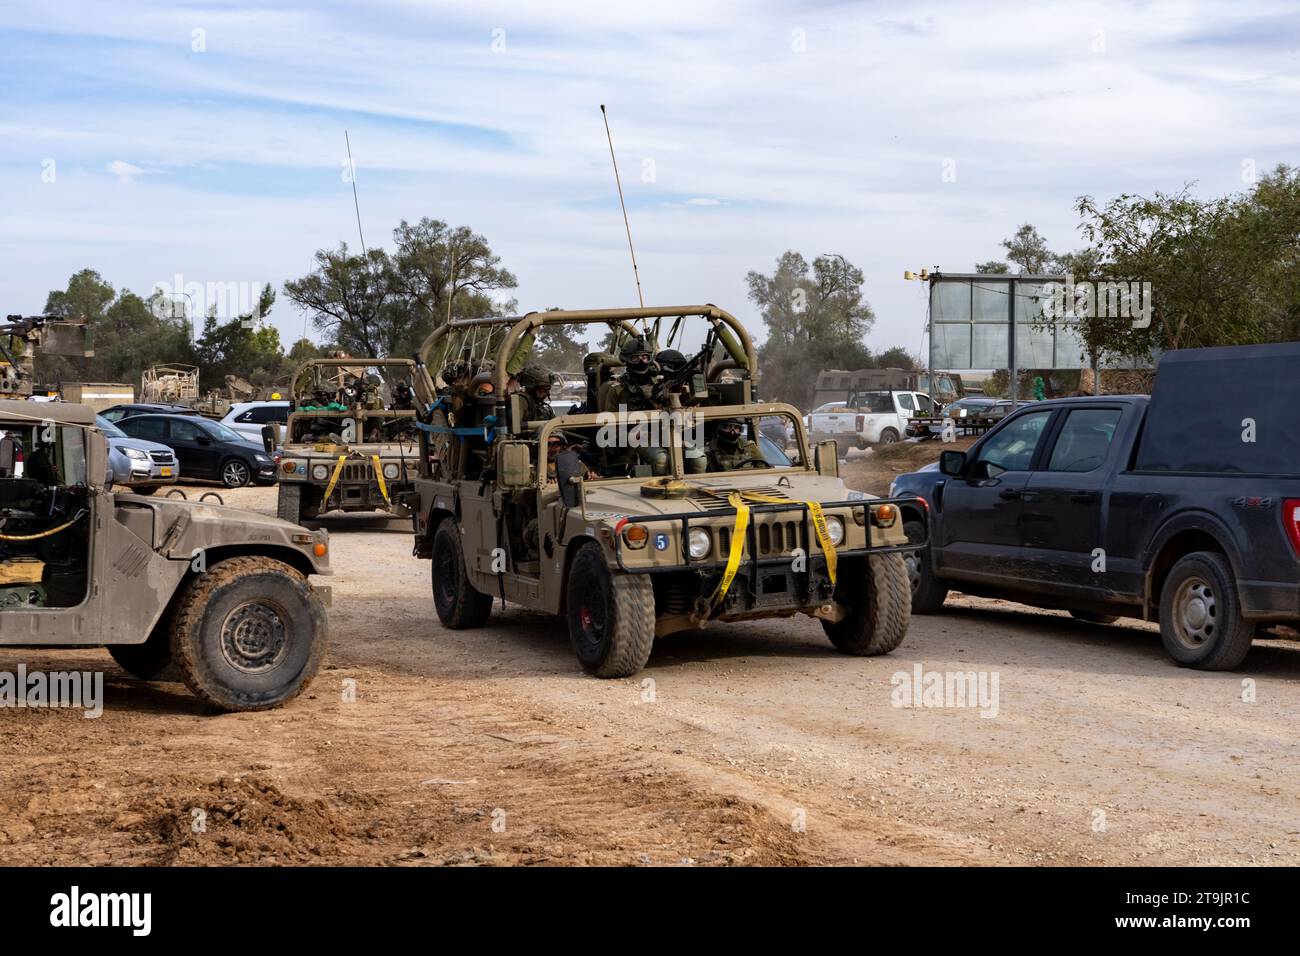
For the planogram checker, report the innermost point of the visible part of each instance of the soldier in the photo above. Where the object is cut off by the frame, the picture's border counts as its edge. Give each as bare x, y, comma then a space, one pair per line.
671, 360
635, 389
535, 383
726, 451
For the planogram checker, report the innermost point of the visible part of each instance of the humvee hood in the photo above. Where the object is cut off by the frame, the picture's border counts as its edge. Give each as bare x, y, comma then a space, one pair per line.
213, 526
709, 492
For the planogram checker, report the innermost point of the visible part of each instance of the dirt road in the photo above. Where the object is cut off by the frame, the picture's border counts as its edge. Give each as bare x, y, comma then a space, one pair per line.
745, 745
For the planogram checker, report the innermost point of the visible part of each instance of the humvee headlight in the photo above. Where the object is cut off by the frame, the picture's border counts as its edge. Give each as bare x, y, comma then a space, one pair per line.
391, 471
320, 472
636, 535
698, 542
835, 530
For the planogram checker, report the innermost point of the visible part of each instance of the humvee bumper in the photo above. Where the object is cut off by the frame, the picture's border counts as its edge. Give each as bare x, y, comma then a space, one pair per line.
767, 542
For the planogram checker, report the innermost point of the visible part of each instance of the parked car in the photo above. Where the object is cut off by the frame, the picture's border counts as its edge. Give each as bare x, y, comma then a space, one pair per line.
143, 466
1182, 507
870, 418
965, 409
206, 449
247, 418
117, 413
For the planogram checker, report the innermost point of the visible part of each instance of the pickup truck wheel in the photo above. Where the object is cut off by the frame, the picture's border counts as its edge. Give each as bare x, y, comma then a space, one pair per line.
146, 661
459, 604
1092, 617
1200, 616
928, 592
248, 634
611, 615
289, 503
888, 436
878, 613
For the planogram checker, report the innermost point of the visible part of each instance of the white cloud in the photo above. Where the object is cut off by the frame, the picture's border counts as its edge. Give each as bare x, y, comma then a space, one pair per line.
124, 171
703, 202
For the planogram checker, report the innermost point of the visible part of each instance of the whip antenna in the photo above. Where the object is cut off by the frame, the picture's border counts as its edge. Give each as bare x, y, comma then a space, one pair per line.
619, 183
352, 174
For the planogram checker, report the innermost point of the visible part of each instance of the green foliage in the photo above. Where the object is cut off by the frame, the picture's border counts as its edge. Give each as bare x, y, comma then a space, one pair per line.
242, 346
816, 319
380, 304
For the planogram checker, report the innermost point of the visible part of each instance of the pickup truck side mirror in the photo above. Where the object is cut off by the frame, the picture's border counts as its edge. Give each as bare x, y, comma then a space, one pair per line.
826, 457
952, 463
514, 465
271, 437
7, 455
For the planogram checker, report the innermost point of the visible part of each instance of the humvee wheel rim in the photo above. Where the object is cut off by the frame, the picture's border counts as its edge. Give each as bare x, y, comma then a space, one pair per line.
235, 473
1194, 613
254, 637
591, 618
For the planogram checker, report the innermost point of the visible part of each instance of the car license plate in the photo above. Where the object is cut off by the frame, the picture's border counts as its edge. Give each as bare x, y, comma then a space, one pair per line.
166, 472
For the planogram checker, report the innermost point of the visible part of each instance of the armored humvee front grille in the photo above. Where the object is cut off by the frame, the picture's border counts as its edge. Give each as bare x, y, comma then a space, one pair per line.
775, 537
356, 471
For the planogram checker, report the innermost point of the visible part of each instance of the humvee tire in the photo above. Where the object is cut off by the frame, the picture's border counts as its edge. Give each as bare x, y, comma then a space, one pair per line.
878, 613
146, 661
244, 634
459, 604
288, 505
611, 615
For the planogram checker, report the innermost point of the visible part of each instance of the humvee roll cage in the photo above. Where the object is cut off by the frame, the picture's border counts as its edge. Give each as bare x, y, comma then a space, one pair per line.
708, 520
615, 318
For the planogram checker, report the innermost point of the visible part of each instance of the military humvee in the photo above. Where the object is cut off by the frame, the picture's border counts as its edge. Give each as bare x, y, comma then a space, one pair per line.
349, 443
222, 594
565, 515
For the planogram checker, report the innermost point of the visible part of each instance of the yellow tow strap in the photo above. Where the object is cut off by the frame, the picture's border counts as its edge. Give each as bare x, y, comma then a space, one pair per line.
737, 500
379, 474
334, 479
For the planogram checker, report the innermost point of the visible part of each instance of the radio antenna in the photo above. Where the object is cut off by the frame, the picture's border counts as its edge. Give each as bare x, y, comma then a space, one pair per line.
619, 183
352, 174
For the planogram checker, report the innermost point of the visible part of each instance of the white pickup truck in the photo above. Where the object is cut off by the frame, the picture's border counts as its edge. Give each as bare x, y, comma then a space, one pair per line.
869, 418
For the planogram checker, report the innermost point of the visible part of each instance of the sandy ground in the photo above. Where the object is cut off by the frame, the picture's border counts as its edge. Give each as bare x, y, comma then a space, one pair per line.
746, 744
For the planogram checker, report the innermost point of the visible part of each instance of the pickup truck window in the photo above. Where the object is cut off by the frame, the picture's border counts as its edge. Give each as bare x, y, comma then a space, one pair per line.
905, 401
925, 404
1012, 447
1084, 440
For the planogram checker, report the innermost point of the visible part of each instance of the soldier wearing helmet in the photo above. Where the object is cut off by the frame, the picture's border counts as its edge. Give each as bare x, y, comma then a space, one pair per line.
635, 390
726, 451
535, 382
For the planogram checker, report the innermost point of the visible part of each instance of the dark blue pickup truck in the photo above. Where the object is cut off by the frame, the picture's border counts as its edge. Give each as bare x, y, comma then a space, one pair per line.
1182, 507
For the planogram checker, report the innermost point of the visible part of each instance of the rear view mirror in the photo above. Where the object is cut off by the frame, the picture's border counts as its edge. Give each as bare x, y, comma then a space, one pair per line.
7, 456
569, 470
514, 465
952, 463
827, 458
271, 437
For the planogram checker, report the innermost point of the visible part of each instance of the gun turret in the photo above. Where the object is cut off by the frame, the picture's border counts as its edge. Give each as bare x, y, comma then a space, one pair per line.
22, 336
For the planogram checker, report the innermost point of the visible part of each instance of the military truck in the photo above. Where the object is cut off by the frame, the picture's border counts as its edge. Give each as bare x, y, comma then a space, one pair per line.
563, 515
223, 595
350, 440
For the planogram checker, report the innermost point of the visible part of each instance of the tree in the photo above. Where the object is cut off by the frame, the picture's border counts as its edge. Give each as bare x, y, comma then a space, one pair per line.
1028, 250
898, 357
242, 347
380, 304
558, 348
816, 318
992, 267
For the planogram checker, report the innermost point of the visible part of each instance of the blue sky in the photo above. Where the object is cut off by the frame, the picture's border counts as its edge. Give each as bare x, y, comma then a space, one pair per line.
206, 139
